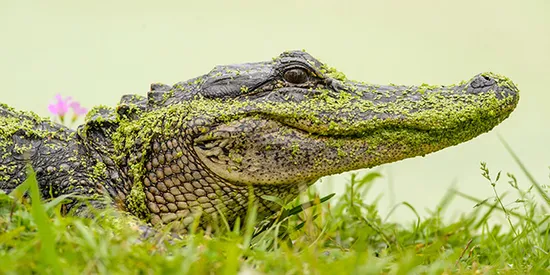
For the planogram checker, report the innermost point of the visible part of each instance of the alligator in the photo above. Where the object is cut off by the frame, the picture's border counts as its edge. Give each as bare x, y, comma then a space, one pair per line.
208, 146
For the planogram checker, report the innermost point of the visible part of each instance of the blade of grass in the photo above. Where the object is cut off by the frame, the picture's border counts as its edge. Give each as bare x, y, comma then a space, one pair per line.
251, 216
408, 205
541, 191
48, 252
49, 205
485, 202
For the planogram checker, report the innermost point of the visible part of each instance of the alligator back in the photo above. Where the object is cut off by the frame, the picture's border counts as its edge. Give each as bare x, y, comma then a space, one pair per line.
62, 164
23, 137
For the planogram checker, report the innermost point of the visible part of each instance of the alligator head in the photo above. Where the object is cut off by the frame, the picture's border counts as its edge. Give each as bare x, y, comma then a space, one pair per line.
278, 126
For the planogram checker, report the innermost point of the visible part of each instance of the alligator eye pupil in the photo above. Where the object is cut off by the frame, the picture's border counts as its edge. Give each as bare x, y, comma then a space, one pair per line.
295, 76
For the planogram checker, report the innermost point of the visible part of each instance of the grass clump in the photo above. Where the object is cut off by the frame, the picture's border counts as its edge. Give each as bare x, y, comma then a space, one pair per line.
318, 236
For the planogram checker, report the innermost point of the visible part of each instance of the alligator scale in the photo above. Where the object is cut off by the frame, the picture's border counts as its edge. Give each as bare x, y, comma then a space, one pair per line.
271, 128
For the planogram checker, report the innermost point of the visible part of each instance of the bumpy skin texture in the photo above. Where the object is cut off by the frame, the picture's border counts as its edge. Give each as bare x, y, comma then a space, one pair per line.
210, 144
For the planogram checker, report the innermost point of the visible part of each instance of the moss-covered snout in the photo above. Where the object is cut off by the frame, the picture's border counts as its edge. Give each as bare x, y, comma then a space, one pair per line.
354, 109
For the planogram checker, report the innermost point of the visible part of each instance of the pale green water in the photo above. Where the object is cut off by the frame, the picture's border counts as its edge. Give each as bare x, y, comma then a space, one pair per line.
100, 50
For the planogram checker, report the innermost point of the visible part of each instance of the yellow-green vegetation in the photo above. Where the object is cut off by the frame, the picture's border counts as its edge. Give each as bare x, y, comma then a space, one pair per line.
339, 236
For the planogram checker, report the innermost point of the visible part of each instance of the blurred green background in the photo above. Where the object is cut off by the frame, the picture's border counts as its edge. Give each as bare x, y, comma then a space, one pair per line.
97, 51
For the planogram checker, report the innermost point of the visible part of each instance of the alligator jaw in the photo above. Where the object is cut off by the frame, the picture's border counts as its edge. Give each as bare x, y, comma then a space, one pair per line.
356, 126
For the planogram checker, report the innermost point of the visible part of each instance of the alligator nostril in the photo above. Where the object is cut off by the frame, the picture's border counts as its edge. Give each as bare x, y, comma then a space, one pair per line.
482, 81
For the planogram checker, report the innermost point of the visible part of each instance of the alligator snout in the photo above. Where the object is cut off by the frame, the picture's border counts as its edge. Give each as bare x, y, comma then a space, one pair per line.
500, 85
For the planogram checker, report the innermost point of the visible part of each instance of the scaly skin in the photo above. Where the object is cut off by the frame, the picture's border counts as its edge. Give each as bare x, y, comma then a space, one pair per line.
271, 128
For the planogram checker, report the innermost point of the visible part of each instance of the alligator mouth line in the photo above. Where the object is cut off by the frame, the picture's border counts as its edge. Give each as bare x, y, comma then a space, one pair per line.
202, 141
394, 125
355, 135
352, 134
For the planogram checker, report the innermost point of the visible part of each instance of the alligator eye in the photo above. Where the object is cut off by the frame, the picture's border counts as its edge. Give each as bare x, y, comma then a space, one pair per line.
296, 76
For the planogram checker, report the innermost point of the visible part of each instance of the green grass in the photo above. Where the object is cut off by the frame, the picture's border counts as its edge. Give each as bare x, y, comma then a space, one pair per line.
312, 235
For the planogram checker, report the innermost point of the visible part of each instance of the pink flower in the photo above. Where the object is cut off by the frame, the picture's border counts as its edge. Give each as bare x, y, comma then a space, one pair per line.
61, 106
77, 110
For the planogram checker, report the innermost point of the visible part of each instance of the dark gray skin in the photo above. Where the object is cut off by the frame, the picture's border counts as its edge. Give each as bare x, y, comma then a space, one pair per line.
271, 128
